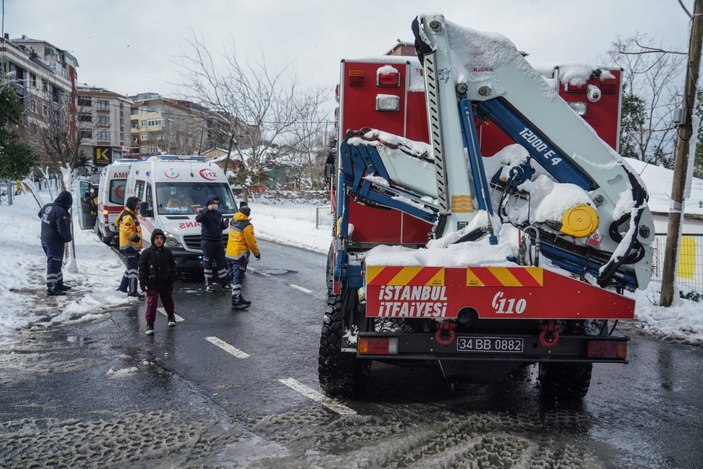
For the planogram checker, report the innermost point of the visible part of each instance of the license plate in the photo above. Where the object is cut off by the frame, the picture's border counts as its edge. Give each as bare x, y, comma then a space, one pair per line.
490, 344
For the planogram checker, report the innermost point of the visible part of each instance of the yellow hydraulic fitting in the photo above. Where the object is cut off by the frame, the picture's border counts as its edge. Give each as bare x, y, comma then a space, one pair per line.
579, 221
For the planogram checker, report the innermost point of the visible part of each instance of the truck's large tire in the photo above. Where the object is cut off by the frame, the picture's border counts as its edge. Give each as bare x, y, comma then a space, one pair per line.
568, 380
340, 374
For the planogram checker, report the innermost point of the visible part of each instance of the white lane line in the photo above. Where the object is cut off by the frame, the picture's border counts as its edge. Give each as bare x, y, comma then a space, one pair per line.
163, 311
298, 287
227, 347
292, 285
310, 393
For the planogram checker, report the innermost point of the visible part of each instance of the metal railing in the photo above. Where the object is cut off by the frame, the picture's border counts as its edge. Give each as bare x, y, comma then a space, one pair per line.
689, 271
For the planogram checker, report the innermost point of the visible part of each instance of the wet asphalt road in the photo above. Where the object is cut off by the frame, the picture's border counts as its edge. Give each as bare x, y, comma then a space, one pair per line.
229, 408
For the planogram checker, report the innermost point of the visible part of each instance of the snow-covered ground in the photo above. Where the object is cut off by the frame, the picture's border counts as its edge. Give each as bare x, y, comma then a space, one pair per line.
26, 306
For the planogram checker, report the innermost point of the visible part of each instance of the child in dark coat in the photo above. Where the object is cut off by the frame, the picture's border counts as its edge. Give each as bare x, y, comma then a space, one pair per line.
157, 272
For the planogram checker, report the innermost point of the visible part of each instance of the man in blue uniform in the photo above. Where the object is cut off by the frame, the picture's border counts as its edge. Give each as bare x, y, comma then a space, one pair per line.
55, 233
211, 225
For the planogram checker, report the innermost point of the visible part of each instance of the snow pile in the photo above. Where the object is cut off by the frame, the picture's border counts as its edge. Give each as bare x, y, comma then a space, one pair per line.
23, 274
579, 74
682, 322
123, 373
476, 54
658, 181
377, 137
293, 224
554, 198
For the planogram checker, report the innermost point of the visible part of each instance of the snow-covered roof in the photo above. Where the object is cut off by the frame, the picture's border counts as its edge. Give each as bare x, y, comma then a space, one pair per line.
659, 181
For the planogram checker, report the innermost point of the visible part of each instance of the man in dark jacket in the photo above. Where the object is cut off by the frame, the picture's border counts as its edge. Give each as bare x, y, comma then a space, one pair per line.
55, 232
157, 272
211, 225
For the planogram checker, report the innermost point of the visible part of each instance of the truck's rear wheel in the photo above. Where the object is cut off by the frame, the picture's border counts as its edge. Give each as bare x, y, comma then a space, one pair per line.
340, 374
570, 380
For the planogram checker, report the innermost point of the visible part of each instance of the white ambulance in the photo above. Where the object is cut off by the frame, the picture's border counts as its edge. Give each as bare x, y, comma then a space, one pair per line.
172, 190
111, 198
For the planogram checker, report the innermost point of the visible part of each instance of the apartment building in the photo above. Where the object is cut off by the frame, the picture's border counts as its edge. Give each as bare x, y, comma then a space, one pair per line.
169, 126
42, 75
104, 124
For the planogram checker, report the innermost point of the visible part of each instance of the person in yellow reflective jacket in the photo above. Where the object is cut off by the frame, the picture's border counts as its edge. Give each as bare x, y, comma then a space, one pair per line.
130, 245
240, 242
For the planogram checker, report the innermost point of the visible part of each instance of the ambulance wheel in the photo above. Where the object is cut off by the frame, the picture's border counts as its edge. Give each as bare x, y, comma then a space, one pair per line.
567, 380
340, 373
102, 238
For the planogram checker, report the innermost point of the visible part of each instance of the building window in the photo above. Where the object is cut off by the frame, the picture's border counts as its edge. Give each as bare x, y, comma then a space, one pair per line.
135, 124
33, 80
85, 118
86, 134
103, 105
144, 137
154, 122
103, 136
85, 101
103, 120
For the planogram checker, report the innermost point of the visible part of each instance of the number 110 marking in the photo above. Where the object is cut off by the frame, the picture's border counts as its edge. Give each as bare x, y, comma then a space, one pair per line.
508, 306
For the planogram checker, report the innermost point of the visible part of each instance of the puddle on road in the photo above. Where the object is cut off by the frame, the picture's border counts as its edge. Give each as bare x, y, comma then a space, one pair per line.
277, 271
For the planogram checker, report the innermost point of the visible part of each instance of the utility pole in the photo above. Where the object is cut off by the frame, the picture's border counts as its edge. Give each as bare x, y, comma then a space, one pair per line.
685, 132
229, 151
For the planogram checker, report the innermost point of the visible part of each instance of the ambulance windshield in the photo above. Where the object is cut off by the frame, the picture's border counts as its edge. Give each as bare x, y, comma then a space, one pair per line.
184, 198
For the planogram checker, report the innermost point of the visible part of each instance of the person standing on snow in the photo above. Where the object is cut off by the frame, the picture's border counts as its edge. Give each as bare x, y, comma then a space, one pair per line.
55, 233
211, 226
240, 242
157, 272
130, 245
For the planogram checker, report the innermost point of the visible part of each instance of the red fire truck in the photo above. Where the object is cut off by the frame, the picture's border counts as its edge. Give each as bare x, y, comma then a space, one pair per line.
484, 220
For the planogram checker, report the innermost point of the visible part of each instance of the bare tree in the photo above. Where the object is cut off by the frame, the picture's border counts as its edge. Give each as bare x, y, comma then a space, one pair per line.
652, 84
56, 138
259, 107
308, 139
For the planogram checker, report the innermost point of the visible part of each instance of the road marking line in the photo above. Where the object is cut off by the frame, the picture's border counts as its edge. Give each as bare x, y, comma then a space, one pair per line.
298, 287
310, 393
227, 347
163, 311
263, 274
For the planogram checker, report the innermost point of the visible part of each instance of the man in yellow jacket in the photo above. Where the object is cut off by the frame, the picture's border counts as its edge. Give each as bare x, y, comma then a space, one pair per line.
240, 241
130, 245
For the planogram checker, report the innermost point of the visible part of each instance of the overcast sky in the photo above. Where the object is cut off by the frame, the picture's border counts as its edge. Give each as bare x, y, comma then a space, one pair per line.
129, 46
